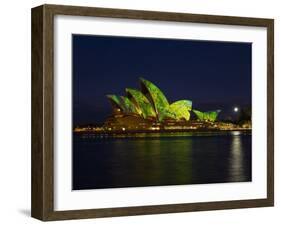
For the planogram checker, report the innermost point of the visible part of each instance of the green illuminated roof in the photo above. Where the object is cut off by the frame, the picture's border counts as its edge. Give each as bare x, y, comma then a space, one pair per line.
181, 109
207, 116
130, 107
142, 104
116, 101
123, 103
158, 99
150, 102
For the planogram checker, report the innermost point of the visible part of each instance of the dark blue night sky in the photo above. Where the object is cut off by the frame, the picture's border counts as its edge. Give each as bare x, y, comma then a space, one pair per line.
214, 75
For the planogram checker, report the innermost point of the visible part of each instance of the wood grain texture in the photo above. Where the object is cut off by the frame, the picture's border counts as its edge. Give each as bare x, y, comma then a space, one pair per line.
43, 107
37, 159
42, 203
270, 111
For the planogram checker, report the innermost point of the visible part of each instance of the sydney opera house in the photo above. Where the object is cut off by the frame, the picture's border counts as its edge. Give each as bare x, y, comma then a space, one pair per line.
148, 108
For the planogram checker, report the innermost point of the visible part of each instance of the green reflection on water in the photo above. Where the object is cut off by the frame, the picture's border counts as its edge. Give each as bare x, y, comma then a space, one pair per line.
153, 160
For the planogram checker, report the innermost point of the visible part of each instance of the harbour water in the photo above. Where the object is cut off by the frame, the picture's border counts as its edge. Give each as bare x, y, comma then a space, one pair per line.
160, 159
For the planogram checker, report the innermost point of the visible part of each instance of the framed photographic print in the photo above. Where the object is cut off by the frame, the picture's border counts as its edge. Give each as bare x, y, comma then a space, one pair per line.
141, 112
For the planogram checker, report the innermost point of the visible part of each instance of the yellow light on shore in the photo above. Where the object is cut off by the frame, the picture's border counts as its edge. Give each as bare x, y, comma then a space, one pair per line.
155, 128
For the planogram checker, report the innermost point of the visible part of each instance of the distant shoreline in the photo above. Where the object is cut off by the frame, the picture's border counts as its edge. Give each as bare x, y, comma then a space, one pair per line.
130, 132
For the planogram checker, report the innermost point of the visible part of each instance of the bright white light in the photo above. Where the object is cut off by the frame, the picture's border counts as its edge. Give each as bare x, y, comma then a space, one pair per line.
236, 109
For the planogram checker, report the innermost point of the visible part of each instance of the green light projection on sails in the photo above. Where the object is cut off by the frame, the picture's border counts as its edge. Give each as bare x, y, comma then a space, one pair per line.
158, 99
181, 109
123, 103
142, 104
151, 103
207, 116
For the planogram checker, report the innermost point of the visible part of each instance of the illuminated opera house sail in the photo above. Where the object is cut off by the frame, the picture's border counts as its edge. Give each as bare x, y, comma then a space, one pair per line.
149, 106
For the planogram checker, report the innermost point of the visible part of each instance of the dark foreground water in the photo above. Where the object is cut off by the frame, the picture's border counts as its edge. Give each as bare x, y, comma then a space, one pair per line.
161, 159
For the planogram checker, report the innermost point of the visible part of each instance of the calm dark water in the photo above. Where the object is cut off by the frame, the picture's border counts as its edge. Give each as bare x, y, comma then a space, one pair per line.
161, 159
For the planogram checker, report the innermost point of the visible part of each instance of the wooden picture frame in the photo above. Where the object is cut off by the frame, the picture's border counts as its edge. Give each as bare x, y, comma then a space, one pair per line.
43, 108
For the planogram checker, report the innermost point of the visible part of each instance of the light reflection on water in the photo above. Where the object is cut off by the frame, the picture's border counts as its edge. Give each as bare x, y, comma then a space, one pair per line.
236, 157
161, 159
